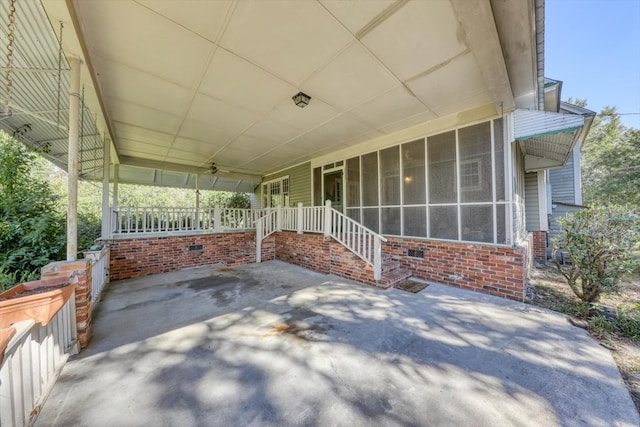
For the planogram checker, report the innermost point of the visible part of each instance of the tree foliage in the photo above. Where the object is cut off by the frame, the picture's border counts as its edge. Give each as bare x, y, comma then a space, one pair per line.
599, 243
611, 162
32, 227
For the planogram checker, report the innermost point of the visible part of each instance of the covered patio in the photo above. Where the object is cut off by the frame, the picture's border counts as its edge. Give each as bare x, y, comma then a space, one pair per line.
275, 344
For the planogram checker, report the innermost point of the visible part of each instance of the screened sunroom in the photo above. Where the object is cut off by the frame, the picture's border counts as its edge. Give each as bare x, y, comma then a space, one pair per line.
446, 186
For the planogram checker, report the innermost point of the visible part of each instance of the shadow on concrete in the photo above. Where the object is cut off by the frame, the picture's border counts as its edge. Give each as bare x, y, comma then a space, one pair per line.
274, 344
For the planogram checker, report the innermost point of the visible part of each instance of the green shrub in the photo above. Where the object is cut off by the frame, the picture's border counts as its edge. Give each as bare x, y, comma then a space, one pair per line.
599, 244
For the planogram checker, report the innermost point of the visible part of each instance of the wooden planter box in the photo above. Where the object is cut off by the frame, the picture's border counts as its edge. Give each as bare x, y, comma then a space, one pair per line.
39, 306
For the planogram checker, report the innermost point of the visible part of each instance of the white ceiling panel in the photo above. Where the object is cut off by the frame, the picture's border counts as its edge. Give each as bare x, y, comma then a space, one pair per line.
132, 34
456, 87
269, 130
186, 157
204, 149
149, 136
236, 81
142, 147
418, 37
351, 78
204, 132
143, 117
204, 18
128, 84
289, 38
356, 14
226, 117
377, 114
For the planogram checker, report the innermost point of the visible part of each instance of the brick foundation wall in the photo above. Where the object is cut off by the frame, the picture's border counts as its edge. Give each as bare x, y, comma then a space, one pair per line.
141, 256
540, 246
79, 272
322, 254
488, 269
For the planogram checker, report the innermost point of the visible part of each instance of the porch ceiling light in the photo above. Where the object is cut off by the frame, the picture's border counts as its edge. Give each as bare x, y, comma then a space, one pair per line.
301, 99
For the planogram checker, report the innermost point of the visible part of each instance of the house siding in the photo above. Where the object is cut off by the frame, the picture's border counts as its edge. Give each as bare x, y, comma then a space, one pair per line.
299, 184
563, 183
532, 207
560, 210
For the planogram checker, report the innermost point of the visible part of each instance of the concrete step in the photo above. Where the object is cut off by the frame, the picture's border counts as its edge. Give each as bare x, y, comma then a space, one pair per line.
389, 280
390, 266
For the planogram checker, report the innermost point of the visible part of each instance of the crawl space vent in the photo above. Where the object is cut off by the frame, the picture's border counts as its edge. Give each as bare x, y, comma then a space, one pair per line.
415, 253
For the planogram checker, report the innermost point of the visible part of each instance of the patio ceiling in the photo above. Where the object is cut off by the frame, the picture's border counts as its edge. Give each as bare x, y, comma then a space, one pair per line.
179, 85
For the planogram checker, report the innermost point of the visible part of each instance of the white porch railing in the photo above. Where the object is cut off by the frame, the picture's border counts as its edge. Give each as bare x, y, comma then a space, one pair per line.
360, 240
33, 360
99, 271
265, 226
136, 220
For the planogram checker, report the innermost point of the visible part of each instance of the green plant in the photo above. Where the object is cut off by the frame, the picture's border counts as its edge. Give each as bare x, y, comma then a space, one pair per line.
31, 225
598, 243
627, 325
600, 327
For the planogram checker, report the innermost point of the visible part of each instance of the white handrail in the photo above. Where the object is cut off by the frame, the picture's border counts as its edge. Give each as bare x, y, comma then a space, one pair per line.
360, 240
265, 226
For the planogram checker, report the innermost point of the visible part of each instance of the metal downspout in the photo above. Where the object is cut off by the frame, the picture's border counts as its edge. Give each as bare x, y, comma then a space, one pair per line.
539, 14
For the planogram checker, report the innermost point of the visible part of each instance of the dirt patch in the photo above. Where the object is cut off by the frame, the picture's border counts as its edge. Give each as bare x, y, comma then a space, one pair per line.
548, 289
34, 291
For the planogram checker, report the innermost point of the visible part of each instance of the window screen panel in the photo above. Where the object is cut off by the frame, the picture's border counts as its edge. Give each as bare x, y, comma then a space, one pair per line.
441, 152
499, 142
474, 143
390, 174
477, 223
390, 221
443, 222
353, 182
415, 221
354, 214
413, 177
370, 218
317, 186
501, 215
370, 179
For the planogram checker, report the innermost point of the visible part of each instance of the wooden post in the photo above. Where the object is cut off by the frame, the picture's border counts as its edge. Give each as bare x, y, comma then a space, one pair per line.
377, 258
217, 219
259, 240
300, 218
327, 218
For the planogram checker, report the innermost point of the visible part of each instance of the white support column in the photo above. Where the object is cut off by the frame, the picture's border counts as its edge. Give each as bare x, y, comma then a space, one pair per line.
542, 201
279, 218
116, 177
327, 218
72, 182
217, 219
106, 213
197, 202
300, 218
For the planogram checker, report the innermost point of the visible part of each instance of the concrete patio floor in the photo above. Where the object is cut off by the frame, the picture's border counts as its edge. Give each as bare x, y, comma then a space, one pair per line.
273, 344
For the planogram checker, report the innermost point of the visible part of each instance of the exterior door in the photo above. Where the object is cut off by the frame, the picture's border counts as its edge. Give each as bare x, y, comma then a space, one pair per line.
333, 189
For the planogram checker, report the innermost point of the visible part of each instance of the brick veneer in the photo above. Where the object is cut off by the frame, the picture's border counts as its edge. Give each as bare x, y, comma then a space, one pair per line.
322, 254
540, 246
80, 272
488, 269
141, 256
493, 270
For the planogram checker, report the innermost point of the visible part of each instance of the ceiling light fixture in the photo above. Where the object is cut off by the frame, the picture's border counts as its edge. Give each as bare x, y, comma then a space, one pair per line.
301, 99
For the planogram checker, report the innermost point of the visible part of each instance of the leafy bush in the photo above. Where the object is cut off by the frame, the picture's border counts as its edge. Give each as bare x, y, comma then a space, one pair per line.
599, 244
32, 228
